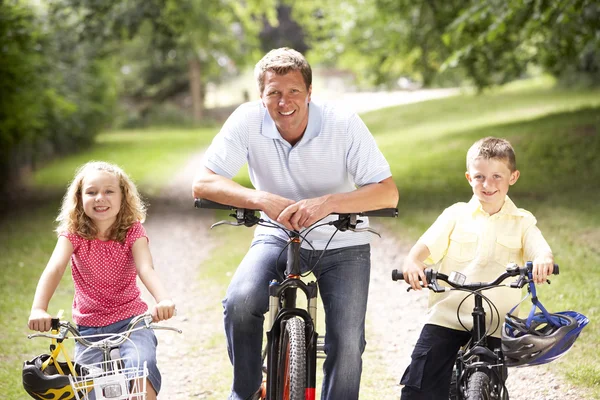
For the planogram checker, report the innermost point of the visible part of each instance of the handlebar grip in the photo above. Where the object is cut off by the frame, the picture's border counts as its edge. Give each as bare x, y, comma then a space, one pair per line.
383, 212
529, 265
397, 275
204, 203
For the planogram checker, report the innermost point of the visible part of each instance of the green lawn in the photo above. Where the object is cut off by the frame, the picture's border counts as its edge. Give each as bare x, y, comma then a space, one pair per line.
556, 135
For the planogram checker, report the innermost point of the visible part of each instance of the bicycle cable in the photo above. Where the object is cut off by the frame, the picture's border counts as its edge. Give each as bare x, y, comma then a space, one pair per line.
493, 309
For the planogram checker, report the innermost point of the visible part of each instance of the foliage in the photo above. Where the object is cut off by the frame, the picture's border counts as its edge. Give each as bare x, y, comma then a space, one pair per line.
496, 40
488, 41
56, 92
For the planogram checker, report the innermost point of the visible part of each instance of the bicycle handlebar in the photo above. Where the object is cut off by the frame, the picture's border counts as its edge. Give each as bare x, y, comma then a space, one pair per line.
208, 204
113, 340
456, 280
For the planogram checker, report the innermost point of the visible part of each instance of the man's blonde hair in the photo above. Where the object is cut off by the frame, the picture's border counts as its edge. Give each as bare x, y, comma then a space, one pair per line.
493, 148
281, 61
72, 218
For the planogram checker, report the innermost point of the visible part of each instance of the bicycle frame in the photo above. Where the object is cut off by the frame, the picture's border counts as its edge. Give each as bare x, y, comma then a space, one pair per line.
109, 379
282, 306
283, 295
477, 356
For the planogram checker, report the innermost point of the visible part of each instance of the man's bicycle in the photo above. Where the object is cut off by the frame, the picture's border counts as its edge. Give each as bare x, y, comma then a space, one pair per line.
292, 341
479, 372
45, 377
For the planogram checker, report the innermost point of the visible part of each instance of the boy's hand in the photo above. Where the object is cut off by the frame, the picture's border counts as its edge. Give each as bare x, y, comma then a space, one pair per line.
39, 320
543, 266
165, 309
412, 270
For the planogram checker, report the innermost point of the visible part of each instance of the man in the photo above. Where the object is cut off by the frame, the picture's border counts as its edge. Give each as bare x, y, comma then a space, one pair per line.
306, 160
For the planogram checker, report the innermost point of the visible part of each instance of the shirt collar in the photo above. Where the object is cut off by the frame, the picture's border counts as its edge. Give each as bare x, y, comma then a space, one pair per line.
508, 208
313, 128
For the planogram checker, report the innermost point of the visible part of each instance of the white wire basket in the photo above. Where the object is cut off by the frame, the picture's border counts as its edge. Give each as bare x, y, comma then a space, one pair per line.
110, 380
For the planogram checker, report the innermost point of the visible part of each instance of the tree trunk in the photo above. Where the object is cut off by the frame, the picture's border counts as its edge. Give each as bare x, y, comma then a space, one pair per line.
196, 89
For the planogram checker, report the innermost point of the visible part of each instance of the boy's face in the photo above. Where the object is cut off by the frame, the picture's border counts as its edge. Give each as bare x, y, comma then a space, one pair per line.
490, 180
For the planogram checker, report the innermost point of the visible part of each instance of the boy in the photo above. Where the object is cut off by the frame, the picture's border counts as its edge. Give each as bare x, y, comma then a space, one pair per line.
478, 239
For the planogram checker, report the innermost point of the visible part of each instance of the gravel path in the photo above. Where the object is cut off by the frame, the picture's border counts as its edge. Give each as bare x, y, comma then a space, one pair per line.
179, 241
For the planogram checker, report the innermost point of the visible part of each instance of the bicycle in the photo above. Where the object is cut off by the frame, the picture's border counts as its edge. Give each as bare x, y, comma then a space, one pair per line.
105, 380
293, 344
479, 373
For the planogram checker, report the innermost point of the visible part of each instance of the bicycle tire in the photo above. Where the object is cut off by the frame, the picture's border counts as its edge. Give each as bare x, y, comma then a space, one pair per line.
478, 386
454, 388
292, 361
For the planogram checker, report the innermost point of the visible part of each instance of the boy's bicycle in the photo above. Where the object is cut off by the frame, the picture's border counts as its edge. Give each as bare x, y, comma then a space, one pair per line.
292, 341
480, 373
45, 377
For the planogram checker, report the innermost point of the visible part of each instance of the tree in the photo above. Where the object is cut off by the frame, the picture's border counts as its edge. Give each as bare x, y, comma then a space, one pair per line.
55, 94
208, 38
496, 40
489, 41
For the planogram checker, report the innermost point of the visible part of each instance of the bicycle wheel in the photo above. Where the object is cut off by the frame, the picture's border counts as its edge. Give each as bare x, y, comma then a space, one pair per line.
478, 386
292, 361
454, 386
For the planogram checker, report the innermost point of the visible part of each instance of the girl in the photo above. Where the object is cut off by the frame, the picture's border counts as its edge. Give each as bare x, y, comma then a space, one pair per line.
100, 230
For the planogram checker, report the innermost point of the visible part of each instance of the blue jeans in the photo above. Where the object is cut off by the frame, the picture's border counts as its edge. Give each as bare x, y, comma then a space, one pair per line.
144, 348
343, 279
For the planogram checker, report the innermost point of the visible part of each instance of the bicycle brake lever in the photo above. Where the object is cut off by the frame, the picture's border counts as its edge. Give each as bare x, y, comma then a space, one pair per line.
368, 229
226, 223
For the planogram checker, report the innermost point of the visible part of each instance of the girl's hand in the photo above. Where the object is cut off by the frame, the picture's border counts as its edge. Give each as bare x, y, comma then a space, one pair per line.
39, 320
412, 270
165, 309
543, 266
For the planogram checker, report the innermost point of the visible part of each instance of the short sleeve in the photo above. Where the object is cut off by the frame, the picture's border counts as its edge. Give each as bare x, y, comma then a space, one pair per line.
534, 242
136, 231
365, 162
73, 238
437, 237
228, 151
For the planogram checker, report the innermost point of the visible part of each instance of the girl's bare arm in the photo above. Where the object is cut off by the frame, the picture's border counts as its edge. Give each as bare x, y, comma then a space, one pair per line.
39, 319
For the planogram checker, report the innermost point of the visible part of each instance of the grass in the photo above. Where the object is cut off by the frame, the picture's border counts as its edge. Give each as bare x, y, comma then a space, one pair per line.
150, 157
556, 135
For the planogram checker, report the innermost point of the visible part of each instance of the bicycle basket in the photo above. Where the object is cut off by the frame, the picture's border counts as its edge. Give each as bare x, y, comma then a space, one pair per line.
111, 380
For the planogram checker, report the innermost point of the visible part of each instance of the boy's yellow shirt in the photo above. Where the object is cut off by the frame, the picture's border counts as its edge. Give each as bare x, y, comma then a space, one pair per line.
467, 239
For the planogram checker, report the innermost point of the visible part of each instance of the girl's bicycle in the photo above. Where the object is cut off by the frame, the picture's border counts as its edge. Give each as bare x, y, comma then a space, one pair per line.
45, 377
480, 372
292, 341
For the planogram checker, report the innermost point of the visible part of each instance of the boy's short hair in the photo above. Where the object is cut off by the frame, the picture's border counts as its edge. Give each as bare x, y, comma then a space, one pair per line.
493, 148
281, 61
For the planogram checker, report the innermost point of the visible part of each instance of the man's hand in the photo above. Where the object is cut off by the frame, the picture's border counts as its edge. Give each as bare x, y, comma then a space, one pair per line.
543, 266
271, 204
304, 213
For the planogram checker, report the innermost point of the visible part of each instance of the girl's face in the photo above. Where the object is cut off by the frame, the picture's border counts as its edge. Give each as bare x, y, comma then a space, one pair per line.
101, 196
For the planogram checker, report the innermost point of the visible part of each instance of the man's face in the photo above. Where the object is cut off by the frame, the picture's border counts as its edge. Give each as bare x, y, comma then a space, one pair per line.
286, 100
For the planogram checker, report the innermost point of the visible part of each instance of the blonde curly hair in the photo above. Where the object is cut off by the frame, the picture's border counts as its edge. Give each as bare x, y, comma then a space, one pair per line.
72, 218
